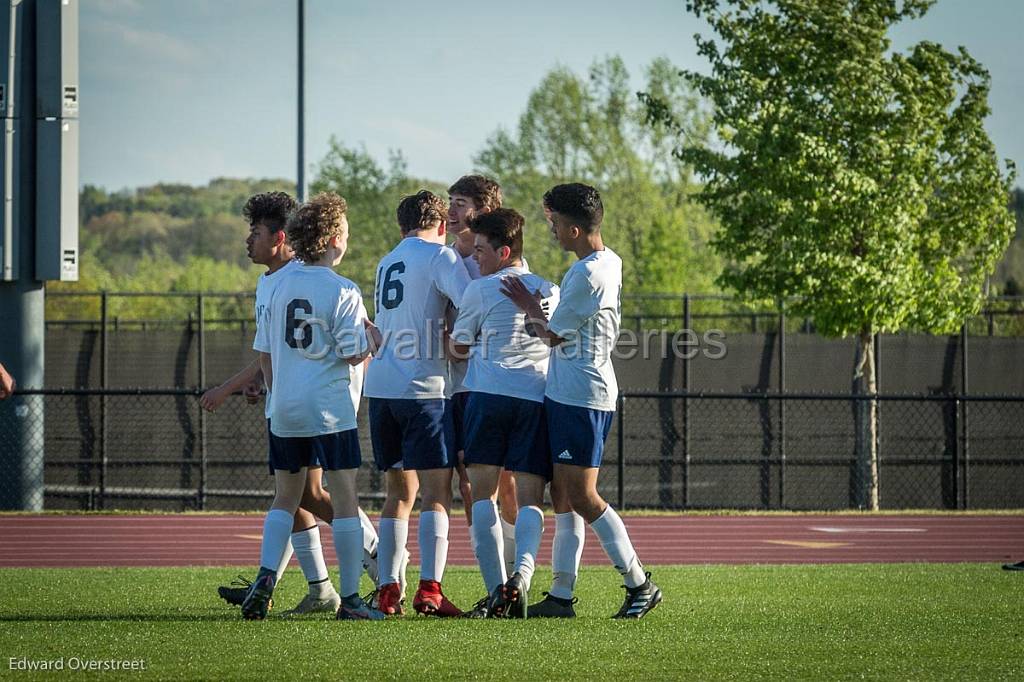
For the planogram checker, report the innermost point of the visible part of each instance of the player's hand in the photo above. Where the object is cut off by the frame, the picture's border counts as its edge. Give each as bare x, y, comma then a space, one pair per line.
7, 383
213, 399
253, 392
516, 291
373, 335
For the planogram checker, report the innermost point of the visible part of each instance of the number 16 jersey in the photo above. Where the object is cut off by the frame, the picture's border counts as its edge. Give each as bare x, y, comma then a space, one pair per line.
413, 286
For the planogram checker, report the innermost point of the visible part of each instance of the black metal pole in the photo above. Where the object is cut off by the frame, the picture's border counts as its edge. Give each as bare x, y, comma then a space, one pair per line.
201, 493
620, 440
104, 384
687, 325
782, 407
965, 390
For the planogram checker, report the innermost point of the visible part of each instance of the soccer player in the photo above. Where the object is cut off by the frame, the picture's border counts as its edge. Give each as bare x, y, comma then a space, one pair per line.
309, 337
470, 196
405, 384
581, 388
506, 429
267, 245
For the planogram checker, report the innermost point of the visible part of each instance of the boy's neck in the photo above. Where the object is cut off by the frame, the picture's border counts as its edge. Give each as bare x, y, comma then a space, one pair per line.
279, 262
464, 246
591, 244
428, 235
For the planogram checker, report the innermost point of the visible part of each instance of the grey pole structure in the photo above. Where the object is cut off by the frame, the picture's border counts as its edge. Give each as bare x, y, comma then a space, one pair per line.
300, 177
39, 234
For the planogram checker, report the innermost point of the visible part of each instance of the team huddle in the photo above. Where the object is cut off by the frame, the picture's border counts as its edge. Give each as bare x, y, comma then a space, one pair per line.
472, 364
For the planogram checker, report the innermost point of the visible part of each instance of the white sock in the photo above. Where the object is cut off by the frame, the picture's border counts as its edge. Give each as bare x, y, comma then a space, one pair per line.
488, 544
508, 550
529, 530
394, 534
310, 554
566, 552
348, 545
615, 540
277, 530
285, 558
369, 546
433, 537
472, 538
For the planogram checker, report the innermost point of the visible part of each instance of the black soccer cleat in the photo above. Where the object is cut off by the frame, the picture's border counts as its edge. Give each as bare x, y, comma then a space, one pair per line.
514, 597
257, 601
552, 607
236, 594
1019, 566
482, 609
639, 600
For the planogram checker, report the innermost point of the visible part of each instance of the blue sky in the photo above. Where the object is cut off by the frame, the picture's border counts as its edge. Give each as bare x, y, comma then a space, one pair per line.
188, 90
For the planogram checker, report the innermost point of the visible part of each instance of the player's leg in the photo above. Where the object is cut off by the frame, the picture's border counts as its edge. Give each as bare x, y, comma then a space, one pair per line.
566, 552
579, 444
321, 595
483, 478
340, 456
277, 528
509, 506
400, 489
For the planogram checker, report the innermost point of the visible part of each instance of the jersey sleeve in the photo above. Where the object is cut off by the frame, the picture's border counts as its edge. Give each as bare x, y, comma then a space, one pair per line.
262, 341
348, 330
577, 303
471, 316
450, 275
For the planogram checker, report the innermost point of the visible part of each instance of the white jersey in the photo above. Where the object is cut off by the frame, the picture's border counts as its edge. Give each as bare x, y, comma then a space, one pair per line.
265, 287
505, 359
313, 322
587, 317
415, 283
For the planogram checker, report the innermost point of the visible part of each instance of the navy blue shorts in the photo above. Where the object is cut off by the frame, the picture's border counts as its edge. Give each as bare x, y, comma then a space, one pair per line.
579, 438
454, 419
332, 451
508, 432
410, 432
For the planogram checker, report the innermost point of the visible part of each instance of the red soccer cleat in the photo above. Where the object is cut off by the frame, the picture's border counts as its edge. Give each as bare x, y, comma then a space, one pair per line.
389, 600
430, 601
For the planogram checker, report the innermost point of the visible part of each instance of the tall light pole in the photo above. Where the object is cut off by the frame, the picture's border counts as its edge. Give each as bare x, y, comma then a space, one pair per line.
300, 178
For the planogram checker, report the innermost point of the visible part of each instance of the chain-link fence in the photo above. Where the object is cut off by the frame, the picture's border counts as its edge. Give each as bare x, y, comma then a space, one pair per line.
157, 449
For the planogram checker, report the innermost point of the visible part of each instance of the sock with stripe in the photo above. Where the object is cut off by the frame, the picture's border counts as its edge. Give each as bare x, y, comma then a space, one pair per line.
310, 553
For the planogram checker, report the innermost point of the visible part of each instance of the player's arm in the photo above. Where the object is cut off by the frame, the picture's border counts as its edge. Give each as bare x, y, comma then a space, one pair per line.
7, 383
268, 371
241, 381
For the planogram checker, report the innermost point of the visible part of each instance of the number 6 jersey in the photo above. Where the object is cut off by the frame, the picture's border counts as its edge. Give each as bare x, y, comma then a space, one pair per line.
313, 323
414, 284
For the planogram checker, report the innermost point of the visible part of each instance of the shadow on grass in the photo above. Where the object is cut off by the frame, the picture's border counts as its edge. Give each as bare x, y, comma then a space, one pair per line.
125, 617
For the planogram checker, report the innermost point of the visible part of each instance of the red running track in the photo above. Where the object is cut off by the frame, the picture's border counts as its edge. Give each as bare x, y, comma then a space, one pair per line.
199, 540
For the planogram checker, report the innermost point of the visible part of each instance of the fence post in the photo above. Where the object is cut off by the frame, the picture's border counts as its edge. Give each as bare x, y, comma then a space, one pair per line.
782, 406
201, 347
622, 451
877, 352
964, 390
687, 324
104, 385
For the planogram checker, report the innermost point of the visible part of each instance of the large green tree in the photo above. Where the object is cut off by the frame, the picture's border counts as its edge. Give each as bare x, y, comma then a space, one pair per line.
592, 129
855, 182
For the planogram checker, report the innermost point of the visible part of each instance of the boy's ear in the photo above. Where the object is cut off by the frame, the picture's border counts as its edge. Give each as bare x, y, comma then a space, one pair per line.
280, 238
504, 252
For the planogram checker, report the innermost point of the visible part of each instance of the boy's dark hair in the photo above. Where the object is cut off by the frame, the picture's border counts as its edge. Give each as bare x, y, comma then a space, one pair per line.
418, 211
579, 203
484, 192
501, 227
269, 208
312, 224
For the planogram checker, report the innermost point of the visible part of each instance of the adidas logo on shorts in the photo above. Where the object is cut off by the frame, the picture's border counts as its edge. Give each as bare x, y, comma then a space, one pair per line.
565, 455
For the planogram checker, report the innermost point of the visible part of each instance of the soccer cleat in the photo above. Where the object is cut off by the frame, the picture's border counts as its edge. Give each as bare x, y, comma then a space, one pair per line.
482, 609
513, 597
370, 565
430, 601
389, 600
354, 608
552, 607
311, 604
639, 600
1019, 566
257, 601
235, 594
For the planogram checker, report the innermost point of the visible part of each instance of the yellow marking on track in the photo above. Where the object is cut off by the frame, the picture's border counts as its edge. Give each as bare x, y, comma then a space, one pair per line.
806, 544
260, 537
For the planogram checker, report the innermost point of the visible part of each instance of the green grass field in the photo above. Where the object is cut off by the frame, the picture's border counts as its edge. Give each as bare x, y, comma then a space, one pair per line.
906, 621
